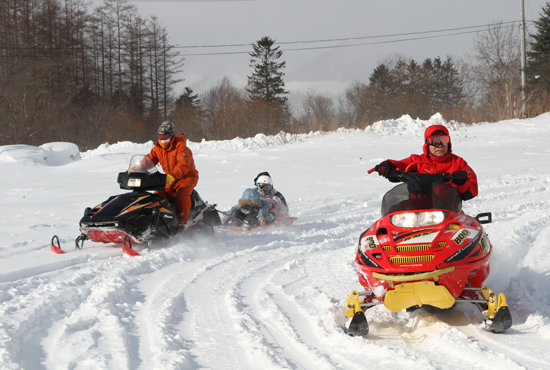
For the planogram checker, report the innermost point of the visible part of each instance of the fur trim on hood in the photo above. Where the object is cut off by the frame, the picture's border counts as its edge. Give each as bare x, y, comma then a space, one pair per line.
251, 203
252, 198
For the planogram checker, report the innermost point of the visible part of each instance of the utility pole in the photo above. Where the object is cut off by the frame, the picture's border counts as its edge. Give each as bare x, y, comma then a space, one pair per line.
523, 60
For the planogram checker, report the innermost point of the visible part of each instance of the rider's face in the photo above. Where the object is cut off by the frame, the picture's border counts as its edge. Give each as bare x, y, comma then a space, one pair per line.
438, 151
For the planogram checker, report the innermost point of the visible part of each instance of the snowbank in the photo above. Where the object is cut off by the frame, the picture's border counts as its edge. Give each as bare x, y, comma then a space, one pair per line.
53, 154
56, 154
408, 126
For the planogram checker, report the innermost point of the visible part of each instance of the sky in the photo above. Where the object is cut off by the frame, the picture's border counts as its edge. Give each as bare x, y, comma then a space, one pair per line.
274, 299
332, 66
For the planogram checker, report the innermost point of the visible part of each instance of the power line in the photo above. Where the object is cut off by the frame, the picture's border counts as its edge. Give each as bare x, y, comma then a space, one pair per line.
351, 45
473, 29
346, 38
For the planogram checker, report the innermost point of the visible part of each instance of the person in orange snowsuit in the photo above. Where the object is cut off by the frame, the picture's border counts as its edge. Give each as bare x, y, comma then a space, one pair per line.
177, 163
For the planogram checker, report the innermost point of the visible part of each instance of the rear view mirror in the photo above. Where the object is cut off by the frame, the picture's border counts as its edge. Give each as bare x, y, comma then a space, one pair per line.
485, 218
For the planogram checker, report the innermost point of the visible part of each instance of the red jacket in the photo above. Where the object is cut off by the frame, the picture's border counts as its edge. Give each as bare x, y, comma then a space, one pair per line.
176, 159
448, 163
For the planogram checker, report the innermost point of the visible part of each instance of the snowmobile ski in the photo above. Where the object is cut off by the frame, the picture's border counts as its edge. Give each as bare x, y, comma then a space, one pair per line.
497, 311
56, 248
127, 247
358, 325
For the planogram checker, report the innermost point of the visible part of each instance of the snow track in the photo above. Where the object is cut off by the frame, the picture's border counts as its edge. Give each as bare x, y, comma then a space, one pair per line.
272, 300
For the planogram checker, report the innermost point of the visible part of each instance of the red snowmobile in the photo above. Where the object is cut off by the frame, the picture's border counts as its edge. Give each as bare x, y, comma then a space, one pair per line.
424, 251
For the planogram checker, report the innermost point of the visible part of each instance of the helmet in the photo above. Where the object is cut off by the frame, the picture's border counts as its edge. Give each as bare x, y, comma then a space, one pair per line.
166, 128
264, 184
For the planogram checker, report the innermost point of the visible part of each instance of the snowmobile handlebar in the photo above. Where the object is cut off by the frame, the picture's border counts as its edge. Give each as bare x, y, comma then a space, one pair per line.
403, 176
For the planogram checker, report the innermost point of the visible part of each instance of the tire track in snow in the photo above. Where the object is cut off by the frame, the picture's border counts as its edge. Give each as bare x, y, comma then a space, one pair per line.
236, 278
33, 305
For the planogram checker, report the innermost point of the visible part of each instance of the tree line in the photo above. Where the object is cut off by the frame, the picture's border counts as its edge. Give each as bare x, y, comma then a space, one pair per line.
107, 75
68, 74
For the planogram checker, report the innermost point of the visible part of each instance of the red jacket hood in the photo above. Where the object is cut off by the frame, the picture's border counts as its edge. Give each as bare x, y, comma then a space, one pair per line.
429, 133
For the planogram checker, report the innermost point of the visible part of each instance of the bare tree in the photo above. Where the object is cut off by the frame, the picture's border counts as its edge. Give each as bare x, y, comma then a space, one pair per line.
496, 68
353, 106
317, 113
223, 107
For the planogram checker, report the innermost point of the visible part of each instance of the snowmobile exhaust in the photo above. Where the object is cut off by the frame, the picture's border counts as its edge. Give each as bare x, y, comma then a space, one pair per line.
56, 248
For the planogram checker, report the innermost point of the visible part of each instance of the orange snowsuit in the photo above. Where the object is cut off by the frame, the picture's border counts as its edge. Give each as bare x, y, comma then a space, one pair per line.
177, 160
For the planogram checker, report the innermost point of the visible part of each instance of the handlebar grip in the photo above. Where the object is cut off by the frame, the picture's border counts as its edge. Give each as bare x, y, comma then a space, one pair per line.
371, 171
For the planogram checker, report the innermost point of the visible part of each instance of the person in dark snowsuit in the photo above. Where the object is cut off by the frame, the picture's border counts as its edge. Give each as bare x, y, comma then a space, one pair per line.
437, 150
278, 209
272, 191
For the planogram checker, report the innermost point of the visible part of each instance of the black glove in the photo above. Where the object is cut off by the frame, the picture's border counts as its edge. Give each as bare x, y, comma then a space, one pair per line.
384, 168
459, 178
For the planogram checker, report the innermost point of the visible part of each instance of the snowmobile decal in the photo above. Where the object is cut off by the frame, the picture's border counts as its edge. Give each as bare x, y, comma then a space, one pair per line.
369, 242
367, 261
465, 250
102, 205
476, 252
420, 238
155, 204
131, 208
408, 233
462, 234
416, 236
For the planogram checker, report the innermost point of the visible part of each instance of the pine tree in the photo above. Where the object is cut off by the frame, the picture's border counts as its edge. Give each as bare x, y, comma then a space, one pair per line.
188, 98
266, 83
538, 67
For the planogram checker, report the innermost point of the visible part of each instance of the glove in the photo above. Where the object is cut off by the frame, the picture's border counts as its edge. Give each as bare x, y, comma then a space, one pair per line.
459, 178
262, 222
384, 169
170, 180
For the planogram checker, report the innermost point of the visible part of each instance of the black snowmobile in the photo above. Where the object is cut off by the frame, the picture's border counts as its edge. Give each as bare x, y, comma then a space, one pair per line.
141, 216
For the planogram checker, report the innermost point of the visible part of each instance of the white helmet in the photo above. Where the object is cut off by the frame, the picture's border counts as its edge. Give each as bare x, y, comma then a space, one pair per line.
264, 184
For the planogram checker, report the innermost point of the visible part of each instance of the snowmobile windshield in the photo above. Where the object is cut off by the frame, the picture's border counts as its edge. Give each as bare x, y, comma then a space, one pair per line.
417, 195
142, 163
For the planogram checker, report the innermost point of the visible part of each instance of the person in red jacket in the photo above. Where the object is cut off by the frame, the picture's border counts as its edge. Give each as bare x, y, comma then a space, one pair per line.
437, 150
177, 163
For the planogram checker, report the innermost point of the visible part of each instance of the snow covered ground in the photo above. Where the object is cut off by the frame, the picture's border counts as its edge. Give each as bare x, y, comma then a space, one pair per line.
273, 300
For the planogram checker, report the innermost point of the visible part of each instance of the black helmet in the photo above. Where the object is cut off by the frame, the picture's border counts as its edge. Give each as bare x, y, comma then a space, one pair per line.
166, 128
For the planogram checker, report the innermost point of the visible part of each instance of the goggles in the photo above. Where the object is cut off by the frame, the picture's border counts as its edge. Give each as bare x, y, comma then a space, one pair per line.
163, 137
246, 209
438, 140
264, 186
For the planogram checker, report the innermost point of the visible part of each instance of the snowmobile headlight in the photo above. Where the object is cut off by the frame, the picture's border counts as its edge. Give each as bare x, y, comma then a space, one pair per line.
418, 219
134, 182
